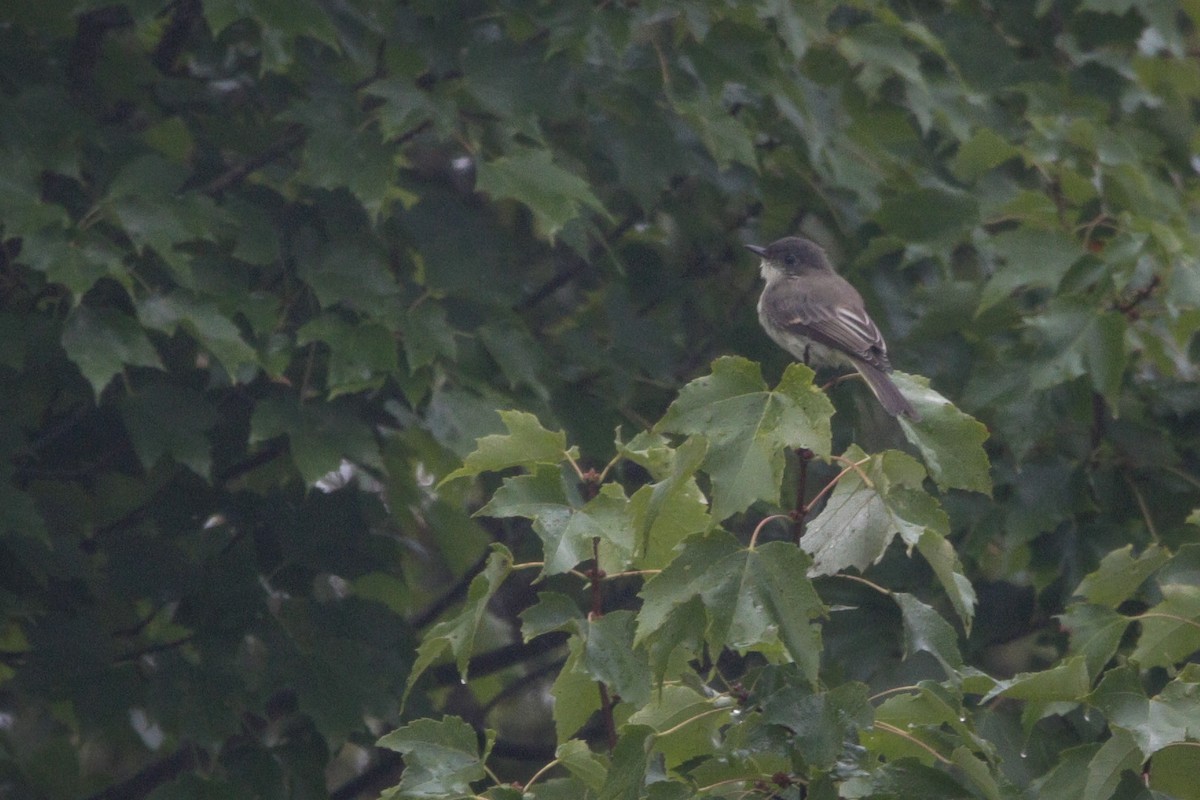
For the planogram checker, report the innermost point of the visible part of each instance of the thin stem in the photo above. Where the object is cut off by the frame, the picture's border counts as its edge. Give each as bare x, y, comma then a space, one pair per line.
1141, 501
574, 465
854, 466
538, 775
761, 524
906, 735
865, 582
690, 720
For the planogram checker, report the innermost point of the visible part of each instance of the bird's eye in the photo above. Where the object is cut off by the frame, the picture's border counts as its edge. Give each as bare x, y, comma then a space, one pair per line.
790, 260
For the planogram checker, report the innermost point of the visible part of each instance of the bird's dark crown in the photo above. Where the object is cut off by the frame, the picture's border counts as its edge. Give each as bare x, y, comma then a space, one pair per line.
793, 254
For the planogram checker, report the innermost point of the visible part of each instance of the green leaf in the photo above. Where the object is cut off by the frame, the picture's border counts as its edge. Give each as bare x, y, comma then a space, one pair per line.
103, 341
609, 656
526, 444
457, 634
554, 195
748, 428
1031, 257
821, 723
752, 598
871, 505
1170, 629
627, 775
1172, 716
361, 355
427, 335
985, 150
1054, 690
667, 512
928, 215
726, 140
1096, 632
943, 559
1116, 756
576, 697
212, 329
552, 612
1120, 574
950, 441
925, 629
566, 532
685, 722
581, 762
167, 420
1173, 771
441, 757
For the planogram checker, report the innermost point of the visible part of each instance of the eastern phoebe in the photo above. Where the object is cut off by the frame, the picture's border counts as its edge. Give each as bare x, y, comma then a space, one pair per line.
818, 317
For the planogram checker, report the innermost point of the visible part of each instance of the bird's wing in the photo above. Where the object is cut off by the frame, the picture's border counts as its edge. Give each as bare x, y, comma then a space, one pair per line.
847, 328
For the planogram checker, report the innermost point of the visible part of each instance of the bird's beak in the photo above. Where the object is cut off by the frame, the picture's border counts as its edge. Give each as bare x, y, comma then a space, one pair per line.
758, 251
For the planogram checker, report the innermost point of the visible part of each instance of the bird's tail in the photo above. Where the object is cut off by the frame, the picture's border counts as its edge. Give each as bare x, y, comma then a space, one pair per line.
886, 392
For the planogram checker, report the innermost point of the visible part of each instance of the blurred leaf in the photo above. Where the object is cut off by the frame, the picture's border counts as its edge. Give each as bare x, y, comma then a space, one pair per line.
554, 195
627, 774
552, 612
166, 420
361, 356
1030, 257
926, 215
441, 758
103, 341
427, 335
319, 437
204, 322
457, 634
748, 427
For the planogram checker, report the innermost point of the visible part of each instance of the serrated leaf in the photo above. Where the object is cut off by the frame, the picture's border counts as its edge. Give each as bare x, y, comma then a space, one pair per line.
361, 355
526, 444
552, 612
441, 757
630, 759
1154, 722
870, 506
949, 440
925, 629
211, 328
102, 342
752, 598
821, 723
1120, 574
610, 657
1096, 632
1057, 689
748, 428
667, 512
427, 335
576, 696
457, 634
554, 195
565, 530
581, 762
1171, 629
944, 561
726, 139
684, 720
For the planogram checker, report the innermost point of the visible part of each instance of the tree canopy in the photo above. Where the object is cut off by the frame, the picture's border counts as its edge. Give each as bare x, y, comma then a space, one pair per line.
385, 408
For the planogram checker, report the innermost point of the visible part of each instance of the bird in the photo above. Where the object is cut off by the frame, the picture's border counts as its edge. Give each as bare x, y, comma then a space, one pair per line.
819, 317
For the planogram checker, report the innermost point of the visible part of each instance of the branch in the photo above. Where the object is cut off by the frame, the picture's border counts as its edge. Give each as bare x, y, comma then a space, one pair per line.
292, 138
187, 758
499, 659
